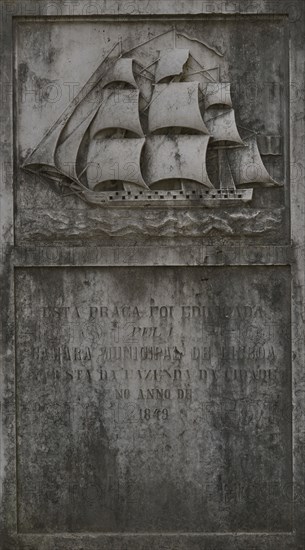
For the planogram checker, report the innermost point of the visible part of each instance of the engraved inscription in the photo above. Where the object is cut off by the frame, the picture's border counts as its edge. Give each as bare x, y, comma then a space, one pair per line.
138, 389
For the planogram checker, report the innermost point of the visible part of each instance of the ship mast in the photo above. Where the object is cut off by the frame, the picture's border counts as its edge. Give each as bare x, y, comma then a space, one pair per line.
220, 120
226, 180
104, 140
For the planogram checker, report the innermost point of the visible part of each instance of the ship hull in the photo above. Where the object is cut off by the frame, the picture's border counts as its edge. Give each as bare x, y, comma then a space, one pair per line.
216, 198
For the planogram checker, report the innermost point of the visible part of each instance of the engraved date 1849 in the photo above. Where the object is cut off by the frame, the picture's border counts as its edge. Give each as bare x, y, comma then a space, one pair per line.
132, 413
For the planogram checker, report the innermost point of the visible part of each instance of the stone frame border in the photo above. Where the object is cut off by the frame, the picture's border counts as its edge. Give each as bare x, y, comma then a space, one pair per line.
26, 256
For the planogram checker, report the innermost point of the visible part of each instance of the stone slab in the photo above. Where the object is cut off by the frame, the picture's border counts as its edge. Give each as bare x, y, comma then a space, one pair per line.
153, 399
152, 358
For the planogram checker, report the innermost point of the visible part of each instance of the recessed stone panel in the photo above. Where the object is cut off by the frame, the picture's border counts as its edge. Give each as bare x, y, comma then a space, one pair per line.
106, 151
152, 227
153, 399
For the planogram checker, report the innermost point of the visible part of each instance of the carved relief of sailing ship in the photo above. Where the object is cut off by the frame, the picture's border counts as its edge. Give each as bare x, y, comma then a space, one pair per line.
163, 134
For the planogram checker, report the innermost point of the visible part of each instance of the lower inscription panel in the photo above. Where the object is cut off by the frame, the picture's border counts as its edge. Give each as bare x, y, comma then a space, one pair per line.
153, 399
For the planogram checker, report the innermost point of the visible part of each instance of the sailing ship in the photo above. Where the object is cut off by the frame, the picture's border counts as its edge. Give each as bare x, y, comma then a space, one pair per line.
173, 141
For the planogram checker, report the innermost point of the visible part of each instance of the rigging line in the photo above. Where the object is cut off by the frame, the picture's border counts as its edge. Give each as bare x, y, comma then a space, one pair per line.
201, 42
203, 71
147, 67
152, 99
83, 171
51, 178
73, 192
230, 169
151, 78
78, 194
247, 129
221, 114
212, 79
94, 83
145, 99
101, 108
79, 124
74, 181
76, 101
202, 94
216, 147
137, 62
149, 40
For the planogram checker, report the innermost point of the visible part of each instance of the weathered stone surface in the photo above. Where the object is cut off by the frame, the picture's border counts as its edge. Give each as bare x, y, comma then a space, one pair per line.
171, 383
152, 276
52, 82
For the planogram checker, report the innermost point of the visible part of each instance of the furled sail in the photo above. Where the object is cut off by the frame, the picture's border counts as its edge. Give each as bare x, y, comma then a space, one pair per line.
177, 157
222, 127
176, 105
115, 159
247, 166
119, 109
121, 71
217, 93
171, 63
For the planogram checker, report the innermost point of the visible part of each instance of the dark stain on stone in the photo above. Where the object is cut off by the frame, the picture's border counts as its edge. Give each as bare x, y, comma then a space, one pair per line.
51, 54
23, 71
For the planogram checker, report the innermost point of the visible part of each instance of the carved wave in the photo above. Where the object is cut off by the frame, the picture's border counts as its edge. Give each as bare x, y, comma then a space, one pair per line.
97, 222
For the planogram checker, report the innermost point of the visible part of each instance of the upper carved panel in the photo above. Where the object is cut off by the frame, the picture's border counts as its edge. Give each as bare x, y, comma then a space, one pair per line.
163, 131
171, 116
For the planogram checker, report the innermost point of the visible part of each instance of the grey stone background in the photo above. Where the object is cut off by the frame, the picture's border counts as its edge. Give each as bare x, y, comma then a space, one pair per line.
214, 459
